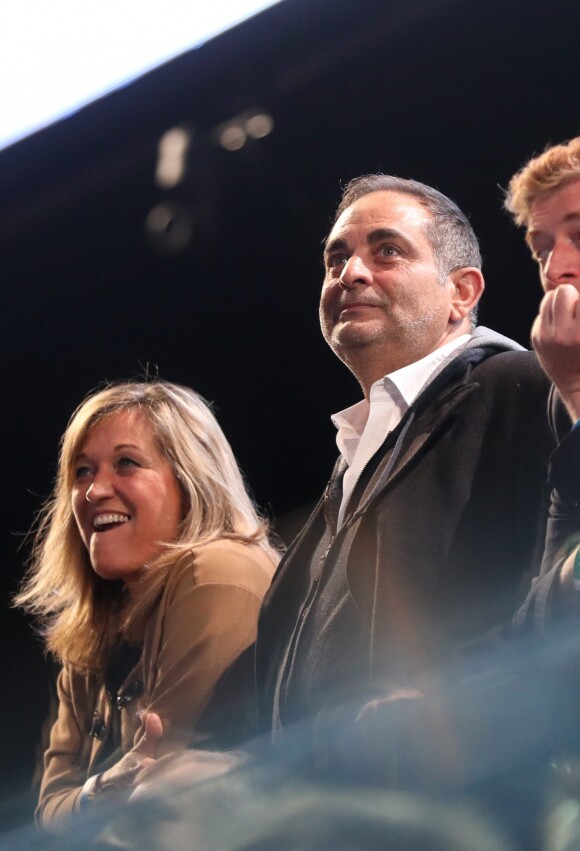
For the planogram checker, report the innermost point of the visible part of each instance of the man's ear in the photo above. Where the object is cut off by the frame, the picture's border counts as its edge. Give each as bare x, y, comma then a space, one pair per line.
467, 286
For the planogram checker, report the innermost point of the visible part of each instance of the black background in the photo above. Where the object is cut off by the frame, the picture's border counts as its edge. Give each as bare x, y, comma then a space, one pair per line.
457, 94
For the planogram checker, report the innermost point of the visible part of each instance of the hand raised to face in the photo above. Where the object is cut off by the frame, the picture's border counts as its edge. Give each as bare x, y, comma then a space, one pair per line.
556, 339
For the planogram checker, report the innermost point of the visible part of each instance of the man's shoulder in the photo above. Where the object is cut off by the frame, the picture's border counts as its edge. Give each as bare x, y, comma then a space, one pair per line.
497, 372
510, 365
488, 358
491, 352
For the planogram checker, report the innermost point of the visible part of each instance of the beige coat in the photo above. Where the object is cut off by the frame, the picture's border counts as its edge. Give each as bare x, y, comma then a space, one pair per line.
206, 617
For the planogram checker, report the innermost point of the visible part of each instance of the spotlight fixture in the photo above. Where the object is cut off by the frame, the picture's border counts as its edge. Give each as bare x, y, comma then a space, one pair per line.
258, 125
169, 227
172, 157
232, 136
251, 124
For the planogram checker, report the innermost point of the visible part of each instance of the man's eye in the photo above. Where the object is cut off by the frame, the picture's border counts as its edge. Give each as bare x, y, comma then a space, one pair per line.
540, 254
540, 251
388, 251
335, 260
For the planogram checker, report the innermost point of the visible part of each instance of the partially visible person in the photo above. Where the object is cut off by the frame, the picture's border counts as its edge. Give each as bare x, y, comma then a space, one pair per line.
147, 573
544, 197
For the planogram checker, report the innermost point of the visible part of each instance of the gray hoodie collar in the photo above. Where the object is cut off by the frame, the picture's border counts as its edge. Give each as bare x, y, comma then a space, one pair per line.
482, 338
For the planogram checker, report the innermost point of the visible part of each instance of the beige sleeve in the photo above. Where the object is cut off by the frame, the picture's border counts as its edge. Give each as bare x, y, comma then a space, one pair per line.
210, 617
63, 777
207, 618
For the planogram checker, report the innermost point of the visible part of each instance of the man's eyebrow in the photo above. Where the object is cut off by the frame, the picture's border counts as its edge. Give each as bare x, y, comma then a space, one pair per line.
372, 238
333, 244
383, 233
569, 217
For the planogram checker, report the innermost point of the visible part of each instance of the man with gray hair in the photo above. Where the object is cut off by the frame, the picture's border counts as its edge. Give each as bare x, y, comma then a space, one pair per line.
435, 511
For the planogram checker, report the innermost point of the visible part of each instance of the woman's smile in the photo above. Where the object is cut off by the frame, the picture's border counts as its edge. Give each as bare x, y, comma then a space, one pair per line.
125, 497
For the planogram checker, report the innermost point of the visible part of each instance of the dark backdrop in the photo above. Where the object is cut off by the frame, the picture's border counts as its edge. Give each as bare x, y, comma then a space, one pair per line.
457, 94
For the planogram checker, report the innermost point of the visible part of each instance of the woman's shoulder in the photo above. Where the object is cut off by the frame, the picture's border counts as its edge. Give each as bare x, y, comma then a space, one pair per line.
226, 562
74, 682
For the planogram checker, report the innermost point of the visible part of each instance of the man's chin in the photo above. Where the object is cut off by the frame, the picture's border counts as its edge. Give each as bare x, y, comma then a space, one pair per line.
357, 335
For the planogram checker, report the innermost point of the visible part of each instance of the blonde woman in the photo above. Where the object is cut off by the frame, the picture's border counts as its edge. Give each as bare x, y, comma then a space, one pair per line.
147, 574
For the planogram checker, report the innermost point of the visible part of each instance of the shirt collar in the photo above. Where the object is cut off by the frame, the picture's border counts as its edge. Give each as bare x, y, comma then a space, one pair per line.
408, 381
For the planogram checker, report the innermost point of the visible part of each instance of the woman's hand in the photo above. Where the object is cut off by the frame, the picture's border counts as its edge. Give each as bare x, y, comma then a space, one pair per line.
183, 769
127, 772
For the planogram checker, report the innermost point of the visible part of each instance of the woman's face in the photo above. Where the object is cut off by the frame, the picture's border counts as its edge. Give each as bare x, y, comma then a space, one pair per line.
125, 497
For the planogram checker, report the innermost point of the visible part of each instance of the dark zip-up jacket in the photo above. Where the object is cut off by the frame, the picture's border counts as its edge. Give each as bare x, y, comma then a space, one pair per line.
443, 533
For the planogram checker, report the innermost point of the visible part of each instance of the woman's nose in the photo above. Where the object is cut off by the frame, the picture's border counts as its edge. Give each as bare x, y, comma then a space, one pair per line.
100, 488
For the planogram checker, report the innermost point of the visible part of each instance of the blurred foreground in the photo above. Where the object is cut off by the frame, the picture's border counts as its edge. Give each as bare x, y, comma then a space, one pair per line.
387, 777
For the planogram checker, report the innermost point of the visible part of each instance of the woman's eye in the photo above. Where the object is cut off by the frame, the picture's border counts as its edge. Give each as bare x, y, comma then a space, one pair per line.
126, 463
82, 471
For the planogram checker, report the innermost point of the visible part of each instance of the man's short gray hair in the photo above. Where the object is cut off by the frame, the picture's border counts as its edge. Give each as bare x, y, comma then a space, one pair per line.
449, 230
450, 233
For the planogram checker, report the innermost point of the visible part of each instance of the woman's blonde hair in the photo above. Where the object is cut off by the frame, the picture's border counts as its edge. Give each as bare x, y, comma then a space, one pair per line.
555, 167
82, 614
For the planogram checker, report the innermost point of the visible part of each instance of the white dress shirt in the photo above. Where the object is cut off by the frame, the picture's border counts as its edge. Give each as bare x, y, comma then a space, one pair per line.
363, 427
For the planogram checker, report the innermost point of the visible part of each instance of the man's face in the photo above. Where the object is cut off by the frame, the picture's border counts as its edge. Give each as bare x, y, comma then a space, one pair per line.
554, 236
383, 295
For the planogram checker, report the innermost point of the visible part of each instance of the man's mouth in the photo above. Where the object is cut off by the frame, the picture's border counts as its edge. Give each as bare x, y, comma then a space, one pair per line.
103, 522
355, 305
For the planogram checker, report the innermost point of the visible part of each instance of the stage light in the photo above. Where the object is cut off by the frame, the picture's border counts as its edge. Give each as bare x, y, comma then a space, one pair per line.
251, 124
40, 42
232, 136
169, 227
259, 125
172, 157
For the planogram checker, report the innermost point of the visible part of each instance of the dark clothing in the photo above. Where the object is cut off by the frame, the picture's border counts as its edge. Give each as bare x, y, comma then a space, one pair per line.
543, 605
325, 644
443, 534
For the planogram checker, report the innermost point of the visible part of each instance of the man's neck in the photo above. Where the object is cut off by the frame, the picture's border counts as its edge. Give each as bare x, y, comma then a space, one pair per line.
372, 365
426, 363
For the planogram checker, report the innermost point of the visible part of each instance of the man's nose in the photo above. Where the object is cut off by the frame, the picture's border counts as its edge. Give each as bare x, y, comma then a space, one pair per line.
354, 273
562, 265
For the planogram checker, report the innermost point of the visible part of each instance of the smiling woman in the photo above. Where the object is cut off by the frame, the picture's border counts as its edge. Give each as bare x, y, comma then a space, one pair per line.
147, 573
125, 498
